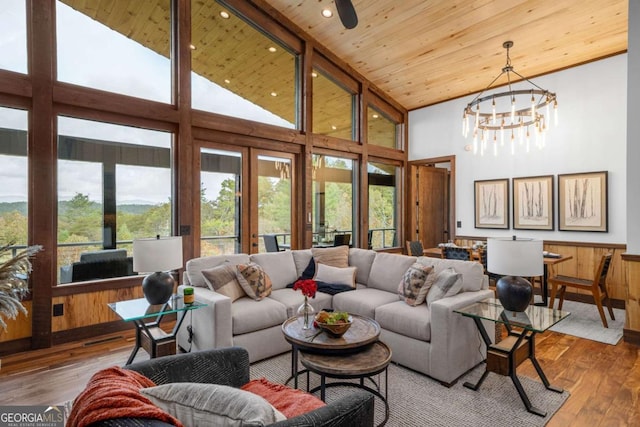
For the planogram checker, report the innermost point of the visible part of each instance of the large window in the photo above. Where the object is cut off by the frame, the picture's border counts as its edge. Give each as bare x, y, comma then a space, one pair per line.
116, 46
13, 191
114, 185
13, 37
381, 129
333, 108
384, 205
333, 198
239, 71
274, 198
220, 202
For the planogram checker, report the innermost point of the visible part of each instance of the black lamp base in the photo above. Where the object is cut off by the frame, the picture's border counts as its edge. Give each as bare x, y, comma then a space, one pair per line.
158, 287
514, 293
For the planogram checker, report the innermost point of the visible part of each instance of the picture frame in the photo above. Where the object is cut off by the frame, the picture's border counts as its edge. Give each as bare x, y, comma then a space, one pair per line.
533, 203
491, 198
583, 202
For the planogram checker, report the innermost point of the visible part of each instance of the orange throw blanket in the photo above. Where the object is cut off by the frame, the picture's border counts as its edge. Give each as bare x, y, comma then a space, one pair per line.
115, 393
289, 401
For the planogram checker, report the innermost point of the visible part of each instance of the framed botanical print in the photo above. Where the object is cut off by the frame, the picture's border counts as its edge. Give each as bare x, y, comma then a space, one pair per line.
533, 203
582, 202
492, 203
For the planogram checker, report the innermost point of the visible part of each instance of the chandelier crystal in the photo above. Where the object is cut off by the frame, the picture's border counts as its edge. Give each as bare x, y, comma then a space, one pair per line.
519, 116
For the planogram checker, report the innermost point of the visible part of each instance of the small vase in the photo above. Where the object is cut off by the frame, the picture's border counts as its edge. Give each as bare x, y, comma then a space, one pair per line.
306, 314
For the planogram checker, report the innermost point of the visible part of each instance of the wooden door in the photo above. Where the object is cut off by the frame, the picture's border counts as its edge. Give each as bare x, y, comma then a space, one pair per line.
432, 205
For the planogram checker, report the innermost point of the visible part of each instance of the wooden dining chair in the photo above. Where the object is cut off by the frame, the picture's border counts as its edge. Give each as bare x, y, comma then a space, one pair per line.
597, 286
415, 248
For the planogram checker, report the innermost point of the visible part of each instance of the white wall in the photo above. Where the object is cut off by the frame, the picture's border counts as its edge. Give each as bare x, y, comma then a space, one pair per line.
633, 129
591, 136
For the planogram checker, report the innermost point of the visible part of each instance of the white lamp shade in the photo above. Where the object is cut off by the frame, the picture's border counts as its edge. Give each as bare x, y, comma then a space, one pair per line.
520, 257
157, 254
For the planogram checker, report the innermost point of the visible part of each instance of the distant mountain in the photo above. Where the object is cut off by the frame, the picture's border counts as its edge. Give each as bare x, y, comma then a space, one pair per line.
135, 209
13, 206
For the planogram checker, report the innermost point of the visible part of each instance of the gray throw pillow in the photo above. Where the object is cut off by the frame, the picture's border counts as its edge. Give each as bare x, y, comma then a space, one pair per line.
414, 285
197, 404
222, 279
446, 283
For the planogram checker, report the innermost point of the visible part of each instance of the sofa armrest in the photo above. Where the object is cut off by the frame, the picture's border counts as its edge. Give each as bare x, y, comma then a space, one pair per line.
211, 325
456, 344
354, 410
224, 366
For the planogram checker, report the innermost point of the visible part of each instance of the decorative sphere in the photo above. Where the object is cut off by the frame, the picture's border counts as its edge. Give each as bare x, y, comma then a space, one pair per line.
514, 293
158, 287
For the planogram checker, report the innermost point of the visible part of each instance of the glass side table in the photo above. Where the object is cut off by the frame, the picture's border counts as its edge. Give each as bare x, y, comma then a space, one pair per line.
504, 357
149, 335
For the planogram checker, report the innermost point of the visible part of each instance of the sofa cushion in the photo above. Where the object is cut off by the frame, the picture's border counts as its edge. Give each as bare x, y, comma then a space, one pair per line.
301, 259
255, 282
363, 259
288, 401
363, 301
336, 276
472, 272
387, 270
198, 404
194, 267
446, 283
293, 299
280, 266
249, 315
414, 286
398, 317
336, 257
222, 279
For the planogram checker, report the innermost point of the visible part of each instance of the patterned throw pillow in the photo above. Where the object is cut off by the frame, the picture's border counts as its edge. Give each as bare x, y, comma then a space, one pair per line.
223, 280
447, 283
197, 404
414, 285
253, 280
335, 257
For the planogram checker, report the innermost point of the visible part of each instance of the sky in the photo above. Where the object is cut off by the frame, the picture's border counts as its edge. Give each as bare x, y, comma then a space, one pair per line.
118, 65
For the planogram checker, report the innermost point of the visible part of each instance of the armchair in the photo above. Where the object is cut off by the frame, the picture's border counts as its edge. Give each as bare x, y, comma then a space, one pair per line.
230, 366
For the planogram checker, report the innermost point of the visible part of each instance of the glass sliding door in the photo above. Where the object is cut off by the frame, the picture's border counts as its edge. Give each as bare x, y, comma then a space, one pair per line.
272, 201
384, 205
220, 202
334, 180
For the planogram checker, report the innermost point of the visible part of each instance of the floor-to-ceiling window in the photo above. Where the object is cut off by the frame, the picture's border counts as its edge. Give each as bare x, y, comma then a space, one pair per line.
384, 204
13, 38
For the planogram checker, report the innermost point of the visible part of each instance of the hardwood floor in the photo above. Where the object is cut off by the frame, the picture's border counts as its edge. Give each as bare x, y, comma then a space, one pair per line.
603, 380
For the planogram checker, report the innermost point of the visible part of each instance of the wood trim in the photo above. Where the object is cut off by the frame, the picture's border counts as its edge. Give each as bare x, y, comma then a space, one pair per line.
42, 217
387, 153
14, 101
15, 84
86, 332
376, 101
630, 336
631, 257
97, 285
337, 144
15, 346
335, 73
241, 140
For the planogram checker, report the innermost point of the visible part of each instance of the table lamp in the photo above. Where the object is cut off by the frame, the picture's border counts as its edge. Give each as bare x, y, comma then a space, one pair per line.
514, 258
157, 256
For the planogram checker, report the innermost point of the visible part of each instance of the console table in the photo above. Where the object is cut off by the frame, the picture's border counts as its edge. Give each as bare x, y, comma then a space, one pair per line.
504, 357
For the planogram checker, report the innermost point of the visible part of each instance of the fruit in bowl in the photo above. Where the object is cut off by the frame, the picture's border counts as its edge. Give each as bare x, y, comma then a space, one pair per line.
334, 323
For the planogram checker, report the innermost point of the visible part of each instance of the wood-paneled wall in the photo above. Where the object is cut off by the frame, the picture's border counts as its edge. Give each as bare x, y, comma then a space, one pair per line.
632, 321
20, 327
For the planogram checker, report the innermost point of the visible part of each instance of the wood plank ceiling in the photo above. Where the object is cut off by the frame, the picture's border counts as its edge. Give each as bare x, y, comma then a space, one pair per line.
421, 52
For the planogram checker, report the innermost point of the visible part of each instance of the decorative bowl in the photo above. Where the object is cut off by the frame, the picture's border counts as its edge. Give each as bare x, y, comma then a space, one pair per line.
337, 329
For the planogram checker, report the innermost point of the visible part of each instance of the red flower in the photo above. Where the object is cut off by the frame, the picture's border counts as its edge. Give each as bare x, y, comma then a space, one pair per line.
308, 287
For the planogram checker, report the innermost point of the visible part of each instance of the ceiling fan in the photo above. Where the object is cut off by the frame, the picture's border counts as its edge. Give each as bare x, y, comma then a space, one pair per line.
347, 13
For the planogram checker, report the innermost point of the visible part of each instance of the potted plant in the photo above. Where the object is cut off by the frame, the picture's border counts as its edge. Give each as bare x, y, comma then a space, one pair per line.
14, 275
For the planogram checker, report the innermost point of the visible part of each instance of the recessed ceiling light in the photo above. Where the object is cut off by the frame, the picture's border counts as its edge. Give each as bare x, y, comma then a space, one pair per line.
274, 94
314, 74
334, 127
272, 49
327, 13
224, 14
227, 81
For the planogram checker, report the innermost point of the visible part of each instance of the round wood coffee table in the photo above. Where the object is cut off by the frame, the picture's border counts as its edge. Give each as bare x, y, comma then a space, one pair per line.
363, 331
370, 361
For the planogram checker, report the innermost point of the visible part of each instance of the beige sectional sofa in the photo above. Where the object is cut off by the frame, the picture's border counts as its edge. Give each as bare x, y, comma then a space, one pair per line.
430, 339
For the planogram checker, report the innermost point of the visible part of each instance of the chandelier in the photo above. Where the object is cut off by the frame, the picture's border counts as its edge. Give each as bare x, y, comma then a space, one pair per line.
520, 115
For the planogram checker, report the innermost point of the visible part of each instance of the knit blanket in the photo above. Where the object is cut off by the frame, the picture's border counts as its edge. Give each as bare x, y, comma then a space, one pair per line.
115, 393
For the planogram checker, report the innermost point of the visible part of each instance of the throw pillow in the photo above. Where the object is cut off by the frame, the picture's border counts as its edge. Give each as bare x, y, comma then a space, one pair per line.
335, 257
291, 402
198, 404
253, 280
223, 280
336, 276
414, 286
445, 284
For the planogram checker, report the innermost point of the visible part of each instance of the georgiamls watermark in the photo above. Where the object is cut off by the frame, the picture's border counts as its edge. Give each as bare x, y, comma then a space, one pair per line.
31, 416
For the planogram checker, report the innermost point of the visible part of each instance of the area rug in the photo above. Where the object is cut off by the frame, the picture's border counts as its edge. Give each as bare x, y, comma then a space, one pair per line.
584, 322
417, 400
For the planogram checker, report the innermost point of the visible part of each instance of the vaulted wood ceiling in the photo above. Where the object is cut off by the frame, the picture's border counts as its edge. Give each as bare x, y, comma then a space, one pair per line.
422, 52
